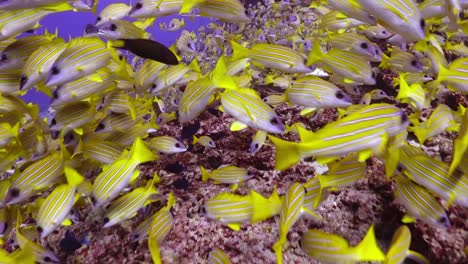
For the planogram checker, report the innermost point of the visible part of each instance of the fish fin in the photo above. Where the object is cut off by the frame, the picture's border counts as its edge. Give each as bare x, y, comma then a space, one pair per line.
95, 78
135, 175
188, 5
67, 222
59, 7
238, 51
311, 213
417, 257
365, 154
205, 175
305, 135
148, 49
141, 153
154, 250
287, 153
145, 23
74, 178
234, 186
237, 126
407, 219
43, 88
234, 226
220, 77
79, 131
278, 248
326, 160
315, 54
307, 111
392, 159
367, 249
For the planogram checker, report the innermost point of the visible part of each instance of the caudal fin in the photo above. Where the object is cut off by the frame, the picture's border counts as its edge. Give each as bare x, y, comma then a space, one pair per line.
367, 249
141, 153
287, 153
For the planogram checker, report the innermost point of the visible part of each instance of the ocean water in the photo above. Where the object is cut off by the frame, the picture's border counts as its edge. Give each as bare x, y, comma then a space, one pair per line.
73, 24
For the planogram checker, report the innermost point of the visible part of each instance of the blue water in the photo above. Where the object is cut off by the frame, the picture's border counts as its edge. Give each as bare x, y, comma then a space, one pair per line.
73, 24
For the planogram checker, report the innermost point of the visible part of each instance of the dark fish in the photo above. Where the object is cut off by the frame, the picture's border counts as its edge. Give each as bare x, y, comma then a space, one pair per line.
181, 183
174, 167
148, 49
69, 244
189, 130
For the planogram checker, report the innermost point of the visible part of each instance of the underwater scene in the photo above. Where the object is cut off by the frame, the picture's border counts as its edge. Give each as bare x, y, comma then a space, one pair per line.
230, 131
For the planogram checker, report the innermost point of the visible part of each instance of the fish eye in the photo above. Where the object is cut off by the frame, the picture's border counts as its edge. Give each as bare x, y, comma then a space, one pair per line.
101, 126
113, 27
14, 192
55, 70
47, 259
138, 5
265, 99
23, 80
364, 45
105, 220
442, 220
377, 51
404, 117
425, 76
121, 57
339, 95
153, 86
4, 57
274, 121
53, 122
399, 168
98, 19
256, 145
39, 229
422, 23
384, 32
414, 63
177, 145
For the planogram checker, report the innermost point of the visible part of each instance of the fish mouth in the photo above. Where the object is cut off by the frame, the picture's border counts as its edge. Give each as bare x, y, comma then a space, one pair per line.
91, 29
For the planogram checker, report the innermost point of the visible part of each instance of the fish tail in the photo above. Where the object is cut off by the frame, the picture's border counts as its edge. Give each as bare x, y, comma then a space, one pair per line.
194, 65
150, 188
315, 54
238, 51
148, 22
420, 133
287, 153
204, 174
268, 79
15, 130
154, 250
74, 178
384, 62
220, 77
278, 248
367, 249
443, 73
141, 153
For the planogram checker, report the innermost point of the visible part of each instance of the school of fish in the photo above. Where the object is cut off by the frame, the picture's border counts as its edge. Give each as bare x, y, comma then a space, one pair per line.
113, 87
